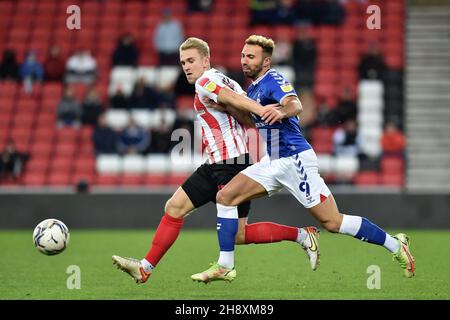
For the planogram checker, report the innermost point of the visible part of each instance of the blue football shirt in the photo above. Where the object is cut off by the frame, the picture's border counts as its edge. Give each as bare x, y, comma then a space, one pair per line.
283, 139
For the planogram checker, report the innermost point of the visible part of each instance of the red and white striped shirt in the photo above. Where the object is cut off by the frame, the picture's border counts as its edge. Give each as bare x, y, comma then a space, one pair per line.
223, 136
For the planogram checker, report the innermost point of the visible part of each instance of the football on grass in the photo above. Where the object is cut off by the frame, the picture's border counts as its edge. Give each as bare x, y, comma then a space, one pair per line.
51, 236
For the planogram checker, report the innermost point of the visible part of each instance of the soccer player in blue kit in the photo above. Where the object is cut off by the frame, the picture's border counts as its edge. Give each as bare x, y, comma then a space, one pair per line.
290, 163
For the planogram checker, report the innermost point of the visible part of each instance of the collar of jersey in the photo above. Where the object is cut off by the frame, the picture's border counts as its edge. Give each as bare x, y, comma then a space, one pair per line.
262, 77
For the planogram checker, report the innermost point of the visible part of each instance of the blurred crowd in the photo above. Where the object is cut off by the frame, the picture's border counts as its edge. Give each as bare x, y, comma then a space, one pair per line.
301, 54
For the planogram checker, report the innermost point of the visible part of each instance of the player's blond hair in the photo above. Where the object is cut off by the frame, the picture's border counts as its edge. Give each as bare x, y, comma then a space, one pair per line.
266, 44
196, 43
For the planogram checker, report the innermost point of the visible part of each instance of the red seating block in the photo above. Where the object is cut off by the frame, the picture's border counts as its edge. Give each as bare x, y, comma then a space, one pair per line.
366, 178
392, 165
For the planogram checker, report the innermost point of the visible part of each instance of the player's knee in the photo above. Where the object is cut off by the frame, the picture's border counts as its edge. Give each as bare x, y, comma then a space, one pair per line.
174, 209
331, 225
224, 198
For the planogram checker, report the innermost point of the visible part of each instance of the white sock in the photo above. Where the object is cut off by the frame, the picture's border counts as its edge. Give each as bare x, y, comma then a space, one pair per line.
350, 225
391, 244
302, 234
147, 266
226, 259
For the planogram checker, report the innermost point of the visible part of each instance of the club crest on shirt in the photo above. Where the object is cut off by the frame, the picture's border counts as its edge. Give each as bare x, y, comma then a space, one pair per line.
210, 86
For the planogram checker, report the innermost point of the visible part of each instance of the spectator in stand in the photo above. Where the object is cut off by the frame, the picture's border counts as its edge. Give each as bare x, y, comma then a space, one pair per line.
285, 12
54, 66
393, 140
9, 68
263, 12
199, 5
119, 100
161, 135
143, 96
11, 162
331, 13
346, 141
91, 108
306, 12
304, 56
326, 117
134, 139
372, 65
81, 67
126, 52
346, 108
282, 55
31, 71
105, 138
69, 110
167, 39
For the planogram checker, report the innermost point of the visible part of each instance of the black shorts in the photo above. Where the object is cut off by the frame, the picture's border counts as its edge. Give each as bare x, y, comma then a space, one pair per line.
202, 186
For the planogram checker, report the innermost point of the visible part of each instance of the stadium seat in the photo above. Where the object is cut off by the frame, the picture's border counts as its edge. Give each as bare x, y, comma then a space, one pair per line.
133, 164
107, 180
152, 179
177, 179
109, 164
117, 119
370, 88
391, 165
150, 74
366, 178
37, 165
167, 76
325, 162
391, 179
143, 118
157, 163
346, 164
34, 179
131, 180
59, 179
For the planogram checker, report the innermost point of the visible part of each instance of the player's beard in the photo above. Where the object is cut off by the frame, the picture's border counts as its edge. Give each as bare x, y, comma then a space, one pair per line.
253, 73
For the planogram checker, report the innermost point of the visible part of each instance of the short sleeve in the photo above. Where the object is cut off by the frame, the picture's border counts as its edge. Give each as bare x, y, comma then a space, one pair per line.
280, 88
208, 88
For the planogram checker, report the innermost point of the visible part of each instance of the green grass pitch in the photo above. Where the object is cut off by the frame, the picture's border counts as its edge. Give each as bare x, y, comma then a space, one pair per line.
268, 271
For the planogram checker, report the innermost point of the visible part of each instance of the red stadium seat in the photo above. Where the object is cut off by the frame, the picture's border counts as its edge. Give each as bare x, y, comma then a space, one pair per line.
41, 149
177, 179
37, 165
391, 165
106, 180
67, 134
366, 178
66, 149
391, 179
59, 179
131, 180
155, 179
34, 179
62, 164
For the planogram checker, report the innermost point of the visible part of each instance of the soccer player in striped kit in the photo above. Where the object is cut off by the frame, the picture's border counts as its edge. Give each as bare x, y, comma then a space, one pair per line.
226, 145
291, 163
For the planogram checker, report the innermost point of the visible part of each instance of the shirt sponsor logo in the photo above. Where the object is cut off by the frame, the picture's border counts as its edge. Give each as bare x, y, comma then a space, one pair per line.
287, 87
210, 86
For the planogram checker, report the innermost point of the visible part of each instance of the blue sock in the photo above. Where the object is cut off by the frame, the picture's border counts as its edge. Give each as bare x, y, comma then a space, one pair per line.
362, 229
227, 227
